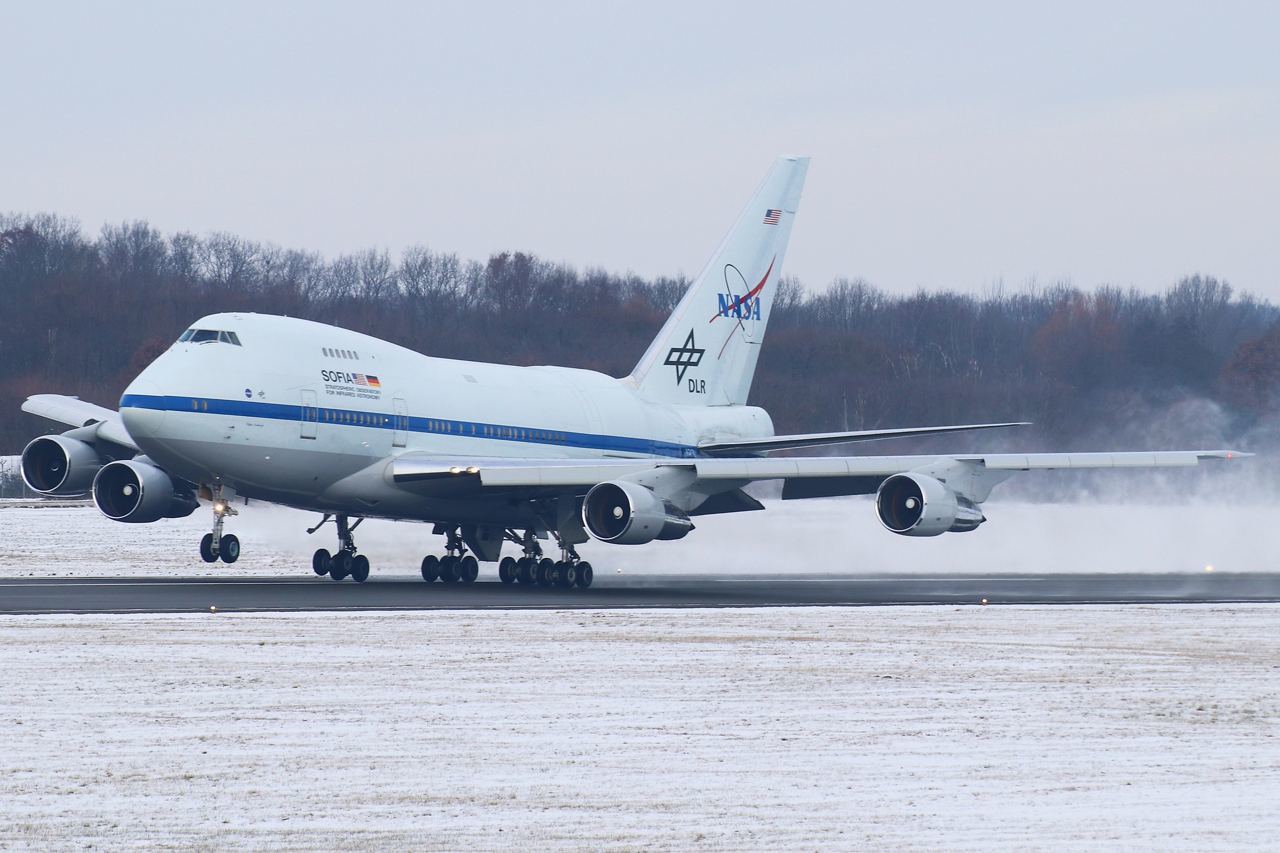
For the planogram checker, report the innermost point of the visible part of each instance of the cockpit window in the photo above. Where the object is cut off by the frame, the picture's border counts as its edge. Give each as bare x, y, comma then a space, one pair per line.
205, 336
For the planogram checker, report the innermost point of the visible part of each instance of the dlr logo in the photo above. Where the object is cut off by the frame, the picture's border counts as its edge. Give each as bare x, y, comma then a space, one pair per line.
697, 386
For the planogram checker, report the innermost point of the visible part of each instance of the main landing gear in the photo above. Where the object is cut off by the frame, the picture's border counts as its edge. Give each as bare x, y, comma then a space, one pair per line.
217, 545
533, 569
346, 562
456, 566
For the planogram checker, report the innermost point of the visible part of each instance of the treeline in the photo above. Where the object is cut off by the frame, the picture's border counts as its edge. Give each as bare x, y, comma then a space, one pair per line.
1198, 363
11, 485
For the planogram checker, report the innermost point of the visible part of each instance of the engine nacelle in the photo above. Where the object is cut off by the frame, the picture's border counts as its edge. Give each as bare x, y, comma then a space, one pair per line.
139, 493
57, 465
627, 513
919, 505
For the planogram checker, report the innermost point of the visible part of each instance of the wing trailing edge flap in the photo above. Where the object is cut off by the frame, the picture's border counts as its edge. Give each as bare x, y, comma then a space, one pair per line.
819, 439
102, 423
425, 472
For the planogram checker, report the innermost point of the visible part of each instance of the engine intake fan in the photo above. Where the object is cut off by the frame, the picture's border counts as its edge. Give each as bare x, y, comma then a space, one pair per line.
627, 513
57, 465
138, 493
919, 505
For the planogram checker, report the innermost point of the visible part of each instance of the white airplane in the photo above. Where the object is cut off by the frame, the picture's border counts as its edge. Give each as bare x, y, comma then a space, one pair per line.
247, 406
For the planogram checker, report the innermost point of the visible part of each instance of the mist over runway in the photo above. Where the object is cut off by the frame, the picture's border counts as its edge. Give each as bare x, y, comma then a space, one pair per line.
287, 594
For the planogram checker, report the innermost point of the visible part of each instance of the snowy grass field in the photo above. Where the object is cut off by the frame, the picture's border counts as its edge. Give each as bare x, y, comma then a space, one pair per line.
966, 728
799, 729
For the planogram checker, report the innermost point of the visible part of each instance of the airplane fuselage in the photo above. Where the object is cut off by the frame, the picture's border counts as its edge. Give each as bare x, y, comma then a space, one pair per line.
308, 415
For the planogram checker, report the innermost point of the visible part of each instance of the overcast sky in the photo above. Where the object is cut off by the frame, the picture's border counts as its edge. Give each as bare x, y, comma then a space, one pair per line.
954, 145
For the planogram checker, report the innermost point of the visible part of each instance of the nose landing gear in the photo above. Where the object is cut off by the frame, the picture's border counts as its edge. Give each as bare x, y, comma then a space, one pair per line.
217, 545
346, 562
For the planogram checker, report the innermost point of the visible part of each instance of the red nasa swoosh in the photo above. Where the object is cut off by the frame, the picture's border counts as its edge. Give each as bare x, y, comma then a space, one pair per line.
750, 294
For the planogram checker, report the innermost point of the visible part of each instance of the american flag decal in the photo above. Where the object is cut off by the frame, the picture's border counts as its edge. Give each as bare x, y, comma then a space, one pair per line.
771, 216
368, 381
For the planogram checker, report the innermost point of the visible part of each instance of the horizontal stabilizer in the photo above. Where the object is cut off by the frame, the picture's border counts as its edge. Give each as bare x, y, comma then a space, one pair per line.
817, 439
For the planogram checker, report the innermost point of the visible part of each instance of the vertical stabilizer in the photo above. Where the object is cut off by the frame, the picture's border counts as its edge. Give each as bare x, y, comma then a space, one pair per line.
706, 352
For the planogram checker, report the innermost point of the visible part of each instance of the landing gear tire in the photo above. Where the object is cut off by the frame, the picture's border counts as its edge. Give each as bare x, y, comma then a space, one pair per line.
525, 570
585, 575
546, 566
430, 568
320, 562
568, 575
206, 549
507, 570
468, 569
448, 569
340, 565
228, 548
360, 568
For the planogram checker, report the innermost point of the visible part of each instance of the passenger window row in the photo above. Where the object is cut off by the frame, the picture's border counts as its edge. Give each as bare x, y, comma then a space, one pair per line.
330, 352
519, 434
338, 416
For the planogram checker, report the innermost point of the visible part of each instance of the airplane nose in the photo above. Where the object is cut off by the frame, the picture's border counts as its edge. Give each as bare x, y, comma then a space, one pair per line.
142, 408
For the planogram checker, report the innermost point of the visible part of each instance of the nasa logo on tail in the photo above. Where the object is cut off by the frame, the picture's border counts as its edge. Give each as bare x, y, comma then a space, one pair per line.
741, 304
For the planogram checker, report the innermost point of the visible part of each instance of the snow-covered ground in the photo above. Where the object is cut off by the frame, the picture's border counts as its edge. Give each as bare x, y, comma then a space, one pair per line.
804, 728
837, 535
812, 728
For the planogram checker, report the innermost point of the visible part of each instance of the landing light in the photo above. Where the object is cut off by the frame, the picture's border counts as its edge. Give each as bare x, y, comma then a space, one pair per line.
1209, 568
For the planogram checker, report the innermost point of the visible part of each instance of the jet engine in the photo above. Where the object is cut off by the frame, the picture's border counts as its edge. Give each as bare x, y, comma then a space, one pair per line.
919, 505
57, 465
138, 493
627, 513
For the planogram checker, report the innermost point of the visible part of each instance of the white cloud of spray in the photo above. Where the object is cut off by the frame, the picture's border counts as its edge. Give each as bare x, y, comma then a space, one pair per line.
838, 535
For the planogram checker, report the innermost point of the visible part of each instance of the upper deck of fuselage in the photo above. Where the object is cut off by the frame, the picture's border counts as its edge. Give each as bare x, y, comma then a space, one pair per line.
270, 337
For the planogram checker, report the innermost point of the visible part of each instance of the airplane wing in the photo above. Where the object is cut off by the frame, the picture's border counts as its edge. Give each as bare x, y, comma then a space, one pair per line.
415, 468
915, 495
818, 439
96, 422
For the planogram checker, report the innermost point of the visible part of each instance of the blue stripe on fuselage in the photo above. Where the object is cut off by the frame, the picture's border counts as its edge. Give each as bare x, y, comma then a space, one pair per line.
333, 417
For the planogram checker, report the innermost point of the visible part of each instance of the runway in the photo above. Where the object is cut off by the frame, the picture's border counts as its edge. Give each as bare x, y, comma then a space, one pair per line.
183, 595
